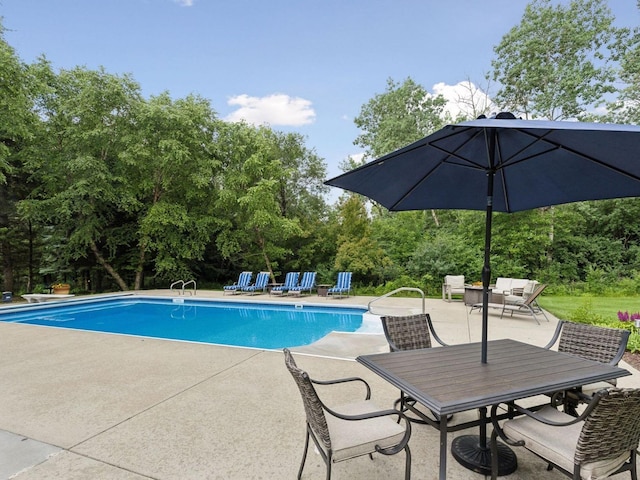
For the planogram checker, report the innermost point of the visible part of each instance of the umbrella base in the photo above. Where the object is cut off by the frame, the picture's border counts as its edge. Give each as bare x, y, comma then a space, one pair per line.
467, 450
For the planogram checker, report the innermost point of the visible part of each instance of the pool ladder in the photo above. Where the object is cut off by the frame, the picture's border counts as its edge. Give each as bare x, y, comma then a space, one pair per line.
183, 285
401, 289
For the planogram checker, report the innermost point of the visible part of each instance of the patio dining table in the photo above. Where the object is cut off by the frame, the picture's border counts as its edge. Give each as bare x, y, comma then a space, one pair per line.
452, 379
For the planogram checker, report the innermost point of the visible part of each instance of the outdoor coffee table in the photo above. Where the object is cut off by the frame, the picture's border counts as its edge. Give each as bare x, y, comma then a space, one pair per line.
452, 379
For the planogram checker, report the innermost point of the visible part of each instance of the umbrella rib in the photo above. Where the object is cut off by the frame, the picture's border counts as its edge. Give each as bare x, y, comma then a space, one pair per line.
452, 154
468, 163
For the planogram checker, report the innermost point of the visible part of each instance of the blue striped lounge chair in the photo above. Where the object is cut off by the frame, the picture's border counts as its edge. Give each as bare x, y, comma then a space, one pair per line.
260, 286
307, 283
290, 280
243, 280
343, 285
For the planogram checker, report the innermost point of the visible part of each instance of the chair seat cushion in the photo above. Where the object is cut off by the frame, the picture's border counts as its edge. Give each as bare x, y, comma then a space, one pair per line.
558, 444
352, 438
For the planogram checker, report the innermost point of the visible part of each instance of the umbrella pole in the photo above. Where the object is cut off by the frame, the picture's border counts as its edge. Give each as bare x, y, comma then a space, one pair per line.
486, 269
472, 451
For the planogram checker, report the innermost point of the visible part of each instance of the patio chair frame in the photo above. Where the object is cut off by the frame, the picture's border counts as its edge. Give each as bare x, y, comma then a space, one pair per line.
316, 423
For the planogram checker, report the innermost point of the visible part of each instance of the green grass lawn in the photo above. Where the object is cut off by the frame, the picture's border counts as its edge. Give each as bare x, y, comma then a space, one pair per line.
601, 311
607, 307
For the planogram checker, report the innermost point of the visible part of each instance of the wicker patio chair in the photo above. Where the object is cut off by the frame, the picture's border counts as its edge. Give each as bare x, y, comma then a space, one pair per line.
599, 443
360, 428
410, 332
600, 344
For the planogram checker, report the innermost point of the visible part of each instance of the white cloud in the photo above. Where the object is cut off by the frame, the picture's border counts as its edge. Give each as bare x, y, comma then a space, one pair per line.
464, 98
277, 109
357, 158
185, 3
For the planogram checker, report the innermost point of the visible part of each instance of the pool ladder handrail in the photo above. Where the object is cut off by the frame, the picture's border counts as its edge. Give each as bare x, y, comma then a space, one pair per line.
183, 286
411, 289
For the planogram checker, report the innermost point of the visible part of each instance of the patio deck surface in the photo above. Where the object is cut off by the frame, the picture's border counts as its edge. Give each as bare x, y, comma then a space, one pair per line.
86, 405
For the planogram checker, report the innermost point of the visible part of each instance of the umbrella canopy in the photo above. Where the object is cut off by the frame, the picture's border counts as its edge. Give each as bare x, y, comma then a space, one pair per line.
503, 164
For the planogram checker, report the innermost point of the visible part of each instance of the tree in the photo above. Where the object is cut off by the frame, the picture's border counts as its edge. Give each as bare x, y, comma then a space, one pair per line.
254, 231
358, 251
17, 120
625, 108
85, 115
554, 65
171, 166
404, 113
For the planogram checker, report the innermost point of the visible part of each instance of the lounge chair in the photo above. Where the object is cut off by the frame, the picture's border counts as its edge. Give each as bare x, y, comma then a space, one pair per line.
343, 285
260, 286
351, 430
307, 284
243, 280
527, 306
290, 280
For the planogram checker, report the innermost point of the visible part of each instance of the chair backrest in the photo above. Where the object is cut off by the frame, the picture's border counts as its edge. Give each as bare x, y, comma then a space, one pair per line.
454, 281
407, 332
344, 280
308, 280
312, 405
601, 344
244, 279
529, 288
262, 279
535, 294
503, 284
291, 279
612, 428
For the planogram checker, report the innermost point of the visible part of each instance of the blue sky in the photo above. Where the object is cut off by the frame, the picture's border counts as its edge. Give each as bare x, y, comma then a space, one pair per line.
305, 66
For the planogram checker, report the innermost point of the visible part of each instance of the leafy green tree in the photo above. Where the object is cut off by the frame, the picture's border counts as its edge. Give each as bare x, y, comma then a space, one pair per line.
126, 182
625, 107
301, 197
85, 115
554, 64
358, 251
254, 231
17, 121
404, 113
171, 166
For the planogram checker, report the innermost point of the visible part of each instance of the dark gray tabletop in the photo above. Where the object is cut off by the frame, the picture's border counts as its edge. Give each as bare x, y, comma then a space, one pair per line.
452, 379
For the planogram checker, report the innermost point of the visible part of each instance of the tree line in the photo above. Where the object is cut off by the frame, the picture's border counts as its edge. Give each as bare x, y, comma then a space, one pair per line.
107, 190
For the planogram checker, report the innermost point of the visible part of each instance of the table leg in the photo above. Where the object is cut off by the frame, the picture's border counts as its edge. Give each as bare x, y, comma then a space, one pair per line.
443, 449
474, 452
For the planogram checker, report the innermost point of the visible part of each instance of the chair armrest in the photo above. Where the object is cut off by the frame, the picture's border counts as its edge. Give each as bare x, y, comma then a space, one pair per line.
556, 335
433, 332
344, 380
497, 430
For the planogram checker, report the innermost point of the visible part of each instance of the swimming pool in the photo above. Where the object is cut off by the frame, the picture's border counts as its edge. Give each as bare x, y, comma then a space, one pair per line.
244, 324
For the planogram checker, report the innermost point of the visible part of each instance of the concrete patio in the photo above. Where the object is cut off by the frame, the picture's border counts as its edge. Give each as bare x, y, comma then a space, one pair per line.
83, 405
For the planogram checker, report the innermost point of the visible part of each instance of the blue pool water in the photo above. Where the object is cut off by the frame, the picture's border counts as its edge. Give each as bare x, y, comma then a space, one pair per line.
269, 326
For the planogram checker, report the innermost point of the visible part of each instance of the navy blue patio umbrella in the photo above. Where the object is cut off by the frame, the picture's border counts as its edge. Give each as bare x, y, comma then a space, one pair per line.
501, 164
